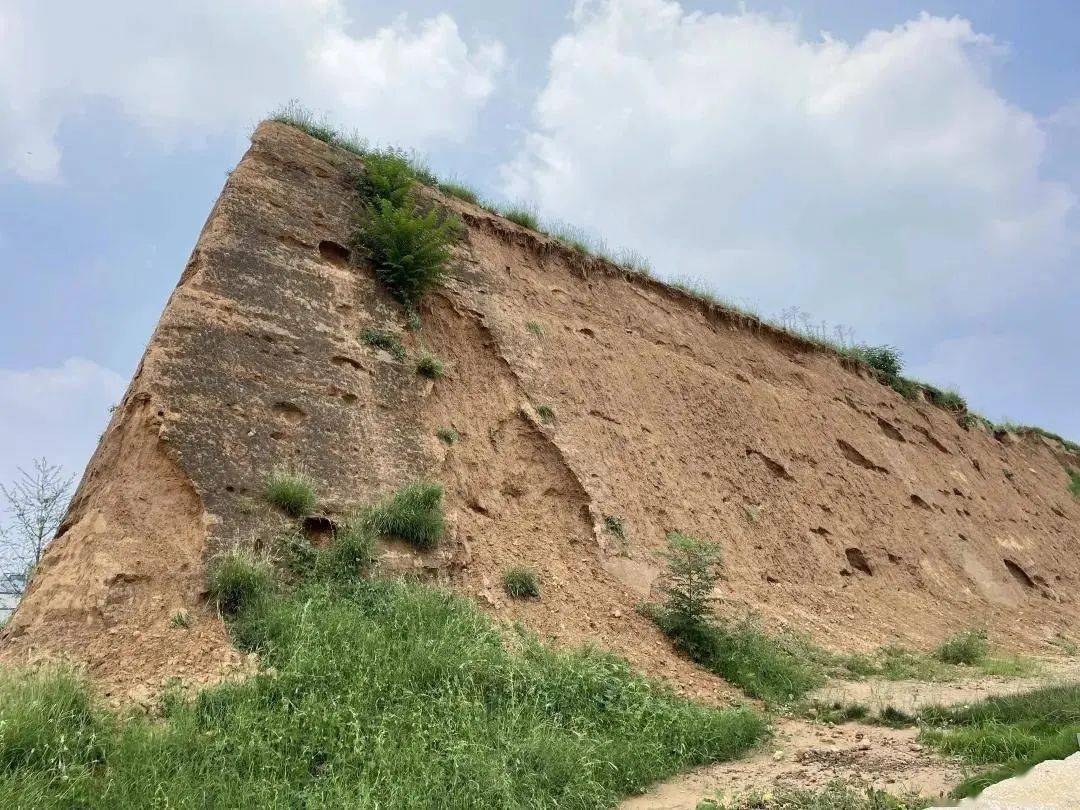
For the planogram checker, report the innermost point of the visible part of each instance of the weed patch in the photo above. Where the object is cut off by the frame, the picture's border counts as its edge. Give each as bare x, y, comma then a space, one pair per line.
969, 648
413, 513
448, 435
430, 366
522, 583
291, 491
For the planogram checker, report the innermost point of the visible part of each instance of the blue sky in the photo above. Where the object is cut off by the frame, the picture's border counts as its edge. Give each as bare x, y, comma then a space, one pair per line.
911, 174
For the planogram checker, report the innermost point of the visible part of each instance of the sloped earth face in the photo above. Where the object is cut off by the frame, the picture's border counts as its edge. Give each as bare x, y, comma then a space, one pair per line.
844, 511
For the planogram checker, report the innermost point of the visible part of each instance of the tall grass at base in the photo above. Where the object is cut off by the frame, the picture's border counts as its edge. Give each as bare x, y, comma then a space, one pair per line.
1012, 732
238, 579
383, 694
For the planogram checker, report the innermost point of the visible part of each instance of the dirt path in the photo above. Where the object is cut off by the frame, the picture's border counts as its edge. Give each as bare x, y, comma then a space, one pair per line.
809, 755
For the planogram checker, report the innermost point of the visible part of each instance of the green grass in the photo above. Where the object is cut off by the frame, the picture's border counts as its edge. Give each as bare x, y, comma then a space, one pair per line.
535, 328
414, 513
1011, 732
181, 620
520, 215
296, 115
522, 583
369, 694
837, 795
885, 359
459, 190
546, 414
447, 435
430, 366
410, 249
969, 647
1074, 483
386, 340
352, 553
291, 491
239, 578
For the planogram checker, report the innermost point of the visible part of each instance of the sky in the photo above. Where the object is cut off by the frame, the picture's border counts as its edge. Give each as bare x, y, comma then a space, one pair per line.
908, 170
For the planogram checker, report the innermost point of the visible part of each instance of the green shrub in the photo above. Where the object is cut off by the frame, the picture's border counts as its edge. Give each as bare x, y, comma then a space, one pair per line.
238, 579
693, 568
388, 176
430, 366
885, 359
291, 491
968, 647
525, 217
448, 435
522, 583
351, 554
413, 513
535, 328
1074, 483
410, 249
381, 694
546, 414
385, 340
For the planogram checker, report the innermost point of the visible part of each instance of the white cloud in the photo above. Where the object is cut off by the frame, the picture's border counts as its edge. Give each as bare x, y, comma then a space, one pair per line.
57, 412
186, 70
876, 181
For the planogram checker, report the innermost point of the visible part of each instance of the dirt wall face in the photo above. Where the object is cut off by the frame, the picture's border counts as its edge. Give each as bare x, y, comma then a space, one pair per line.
843, 510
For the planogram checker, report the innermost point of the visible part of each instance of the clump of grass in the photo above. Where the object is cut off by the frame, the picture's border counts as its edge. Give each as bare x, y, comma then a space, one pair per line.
296, 115
413, 513
292, 491
633, 262
895, 718
615, 526
238, 578
546, 414
351, 554
535, 328
362, 690
181, 619
410, 249
835, 712
386, 340
522, 583
948, 399
447, 435
523, 216
884, 359
968, 648
430, 366
459, 190
1074, 483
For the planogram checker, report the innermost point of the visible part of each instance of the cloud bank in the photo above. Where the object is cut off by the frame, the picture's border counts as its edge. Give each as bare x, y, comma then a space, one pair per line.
882, 183
191, 69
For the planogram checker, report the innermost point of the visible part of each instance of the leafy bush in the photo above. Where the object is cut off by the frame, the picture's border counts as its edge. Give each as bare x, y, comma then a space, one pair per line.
525, 217
379, 694
291, 491
385, 340
430, 366
885, 359
693, 569
388, 176
410, 249
238, 579
968, 647
522, 583
413, 513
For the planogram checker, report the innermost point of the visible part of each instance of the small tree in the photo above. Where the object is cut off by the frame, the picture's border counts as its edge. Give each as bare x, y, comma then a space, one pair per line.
694, 566
37, 502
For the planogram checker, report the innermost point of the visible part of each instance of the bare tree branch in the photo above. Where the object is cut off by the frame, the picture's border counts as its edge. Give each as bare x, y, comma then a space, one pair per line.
35, 503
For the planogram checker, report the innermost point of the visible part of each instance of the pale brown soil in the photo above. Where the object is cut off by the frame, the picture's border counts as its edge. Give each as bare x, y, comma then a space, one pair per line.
844, 511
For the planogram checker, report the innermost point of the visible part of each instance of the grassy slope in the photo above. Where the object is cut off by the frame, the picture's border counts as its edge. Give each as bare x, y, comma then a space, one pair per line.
373, 694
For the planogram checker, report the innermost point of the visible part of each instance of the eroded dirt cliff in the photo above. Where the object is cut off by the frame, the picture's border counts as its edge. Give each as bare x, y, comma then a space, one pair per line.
843, 510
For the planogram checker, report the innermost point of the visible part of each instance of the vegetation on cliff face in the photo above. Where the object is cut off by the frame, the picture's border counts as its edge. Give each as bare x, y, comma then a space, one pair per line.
370, 693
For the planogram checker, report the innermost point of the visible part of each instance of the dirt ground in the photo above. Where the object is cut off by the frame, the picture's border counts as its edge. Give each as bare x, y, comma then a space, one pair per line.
804, 754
